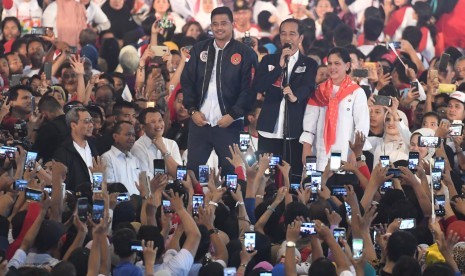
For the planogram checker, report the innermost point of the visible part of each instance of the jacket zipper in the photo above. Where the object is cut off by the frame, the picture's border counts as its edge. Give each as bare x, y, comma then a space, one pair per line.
204, 75
219, 78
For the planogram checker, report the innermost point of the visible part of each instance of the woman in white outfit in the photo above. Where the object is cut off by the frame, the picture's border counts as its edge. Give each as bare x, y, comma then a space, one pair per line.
334, 113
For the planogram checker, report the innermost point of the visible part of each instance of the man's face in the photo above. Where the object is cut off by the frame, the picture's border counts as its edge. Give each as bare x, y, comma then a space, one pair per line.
242, 17
289, 33
104, 96
23, 102
460, 69
376, 116
355, 62
69, 80
35, 50
127, 114
419, 113
430, 122
222, 27
181, 111
118, 84
84, 126
4, 68
455, 110
15, 64
125, 139
154, 125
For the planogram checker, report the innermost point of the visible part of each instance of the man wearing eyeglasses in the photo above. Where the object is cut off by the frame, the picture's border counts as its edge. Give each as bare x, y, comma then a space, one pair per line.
77, 151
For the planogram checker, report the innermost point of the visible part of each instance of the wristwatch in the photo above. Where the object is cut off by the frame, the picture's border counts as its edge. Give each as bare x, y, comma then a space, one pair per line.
192, 111
290, 244
361, 158
213, 231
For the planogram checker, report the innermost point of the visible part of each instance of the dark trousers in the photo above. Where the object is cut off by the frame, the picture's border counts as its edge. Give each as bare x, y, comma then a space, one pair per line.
202, 140
293, 152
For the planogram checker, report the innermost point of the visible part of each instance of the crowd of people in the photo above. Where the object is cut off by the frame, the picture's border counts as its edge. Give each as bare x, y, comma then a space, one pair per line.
245, 137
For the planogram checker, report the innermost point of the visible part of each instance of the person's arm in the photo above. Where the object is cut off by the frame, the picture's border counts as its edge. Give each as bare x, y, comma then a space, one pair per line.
423, 199
58, 177
310, 124
78, 66
100, 19
292, 236
170, 162
260, 225
79, 239
206, 218
446, 245
31, 234
242, 217
176, 77
150, 254
342, 263
190, 227
378, 177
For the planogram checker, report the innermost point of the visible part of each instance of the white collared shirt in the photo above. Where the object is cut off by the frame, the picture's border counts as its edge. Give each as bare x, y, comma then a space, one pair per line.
146, 151
86, 155
211, 106
278, 127
123, 168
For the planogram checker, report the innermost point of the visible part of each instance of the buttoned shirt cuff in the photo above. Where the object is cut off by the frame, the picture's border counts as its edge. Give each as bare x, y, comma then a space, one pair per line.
307, 137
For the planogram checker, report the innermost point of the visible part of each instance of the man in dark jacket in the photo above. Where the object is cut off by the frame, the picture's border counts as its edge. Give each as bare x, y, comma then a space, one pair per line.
286, 78
76, 152
216, 83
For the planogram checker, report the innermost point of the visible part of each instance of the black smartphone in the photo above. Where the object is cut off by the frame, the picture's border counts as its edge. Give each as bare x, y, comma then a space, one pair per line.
382, 100
204, 172
386, 186
439, 163
274, 160
97, 182
414, 85
394, 171
20, 185
158, 166
294, 188
436, 176
37, 31
30, 160
338, 191
9, 151
33, 194
395, 44
231, 182
339, 233
197, 202
348, 211
360, 73
167, 206
136, 246
335, 161
48, 189
181, 173
407, 223
97, 210
429, 141
384, 159
310, 164
48, 70
443, 62
413, 159
15, 79
82, 205
244, 140
440, 205
72, 50
316, 181
307, 228
249, 241
122, 197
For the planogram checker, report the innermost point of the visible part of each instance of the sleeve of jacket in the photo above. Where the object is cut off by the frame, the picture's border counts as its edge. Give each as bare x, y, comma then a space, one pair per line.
246, 96
189, 81
307, 86
264, 77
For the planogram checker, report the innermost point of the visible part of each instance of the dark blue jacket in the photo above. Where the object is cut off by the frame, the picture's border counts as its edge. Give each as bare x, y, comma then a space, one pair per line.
302, 83
233, 77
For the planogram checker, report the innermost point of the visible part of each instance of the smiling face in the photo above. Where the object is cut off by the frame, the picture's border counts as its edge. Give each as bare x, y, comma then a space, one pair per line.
423, 151
84, 126
10, 30
337, 68
390, 126
154, 125
322, 8
289, 33
124, 140
193, 31
222, 28
161, 6
455, 110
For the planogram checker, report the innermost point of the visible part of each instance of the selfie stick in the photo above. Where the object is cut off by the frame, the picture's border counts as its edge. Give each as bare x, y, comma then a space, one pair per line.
433, 213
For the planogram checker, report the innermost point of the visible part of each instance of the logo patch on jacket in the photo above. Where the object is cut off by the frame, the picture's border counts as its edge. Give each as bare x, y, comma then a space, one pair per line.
236, 58
204, 56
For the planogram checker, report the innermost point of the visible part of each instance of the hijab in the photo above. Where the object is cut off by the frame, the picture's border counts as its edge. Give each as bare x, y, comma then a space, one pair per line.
70, 21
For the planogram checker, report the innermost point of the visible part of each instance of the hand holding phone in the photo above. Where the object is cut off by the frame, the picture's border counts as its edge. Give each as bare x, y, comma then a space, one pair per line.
249, 241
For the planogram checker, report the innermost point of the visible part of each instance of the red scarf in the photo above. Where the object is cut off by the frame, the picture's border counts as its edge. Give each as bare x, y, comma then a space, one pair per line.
323, 97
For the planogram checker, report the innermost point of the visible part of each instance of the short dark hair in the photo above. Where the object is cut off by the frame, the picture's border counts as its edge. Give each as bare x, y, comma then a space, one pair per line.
118, 126
119, 105
122, 242
32, 40
413, 35
322, 266
87, 36
49, 103
143, 114
342, 53
372, 28
222, 10
18, 43
343, 35
300, 27
431, 114
401, 243
14, 91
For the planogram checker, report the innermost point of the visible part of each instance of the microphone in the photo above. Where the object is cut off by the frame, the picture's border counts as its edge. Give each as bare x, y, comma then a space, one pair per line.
287, 45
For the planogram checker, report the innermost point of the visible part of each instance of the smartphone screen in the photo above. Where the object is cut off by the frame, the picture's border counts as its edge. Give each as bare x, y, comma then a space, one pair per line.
230, 271
310, 164
9, 151
275, 160
455, 130
197, 202
97, 183
244, 141
384, 159
339, 233
338, 191
82, 203
413, 158
266, 273
30, 160
394, 171
439, 163
231, 182
20, 185
136, 246
294, 188
335, 162
204, 172
181, 173
386, 186
439, 205
249, 241
122, 197
33, 195
357, 248
158, 166
348, 210
428, 141
436, 176
307, 228
167, 206
48, 189
408, 223
97, 210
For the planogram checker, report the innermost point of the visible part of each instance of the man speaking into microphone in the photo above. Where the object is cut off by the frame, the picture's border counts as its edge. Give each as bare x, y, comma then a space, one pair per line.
287, 80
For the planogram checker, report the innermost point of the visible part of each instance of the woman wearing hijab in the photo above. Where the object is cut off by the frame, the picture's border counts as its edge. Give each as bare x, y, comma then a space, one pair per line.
334, 113
204, 13
67, 18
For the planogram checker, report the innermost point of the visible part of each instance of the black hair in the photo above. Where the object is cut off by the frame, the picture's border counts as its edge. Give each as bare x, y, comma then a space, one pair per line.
322, 266
431, 114
143, 114
372, 28
122, 239
424, 15
377, 53
343, 35
14, 91
222, 10
64, 268
329, 24
147, 24
152, 233
401, 243
354, 50
373, 12
119, 105
389, 90
342, 53
263, 20
406, 265
300, 27
11, 19
400, 69
18, 43
413, 35
80, 259
49, 103
118, 126
438, 269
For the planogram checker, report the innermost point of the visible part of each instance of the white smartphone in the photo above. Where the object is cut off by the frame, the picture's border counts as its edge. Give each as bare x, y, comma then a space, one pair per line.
335, 163
357, 248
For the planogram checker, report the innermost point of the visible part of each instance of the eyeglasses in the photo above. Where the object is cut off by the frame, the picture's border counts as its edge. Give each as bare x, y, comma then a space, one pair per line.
87, 120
